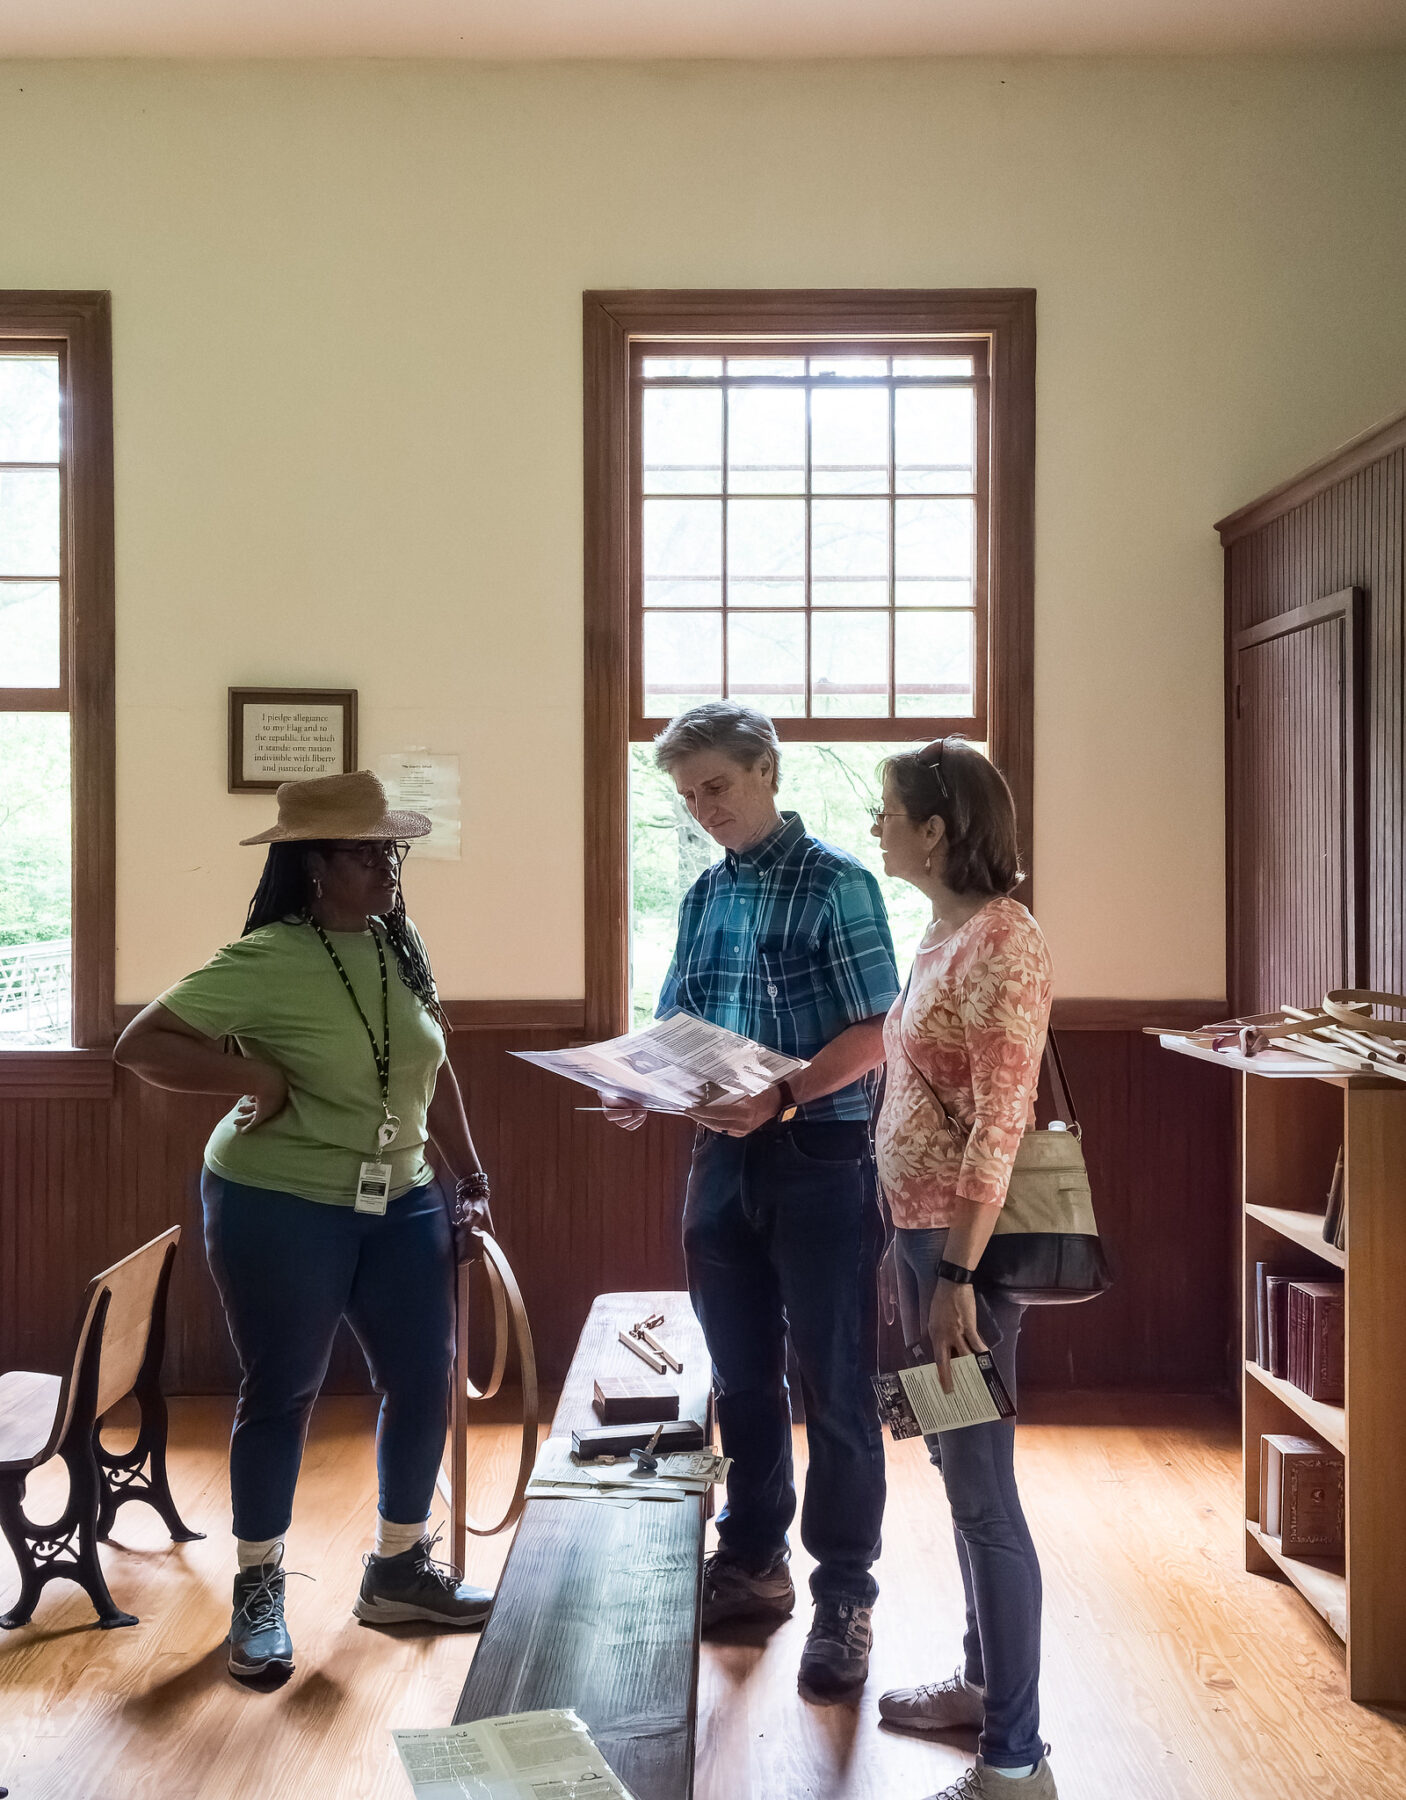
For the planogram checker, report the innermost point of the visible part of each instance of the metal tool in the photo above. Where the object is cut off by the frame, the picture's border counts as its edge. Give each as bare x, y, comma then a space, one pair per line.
646, 1336
645, 1355
645, 1460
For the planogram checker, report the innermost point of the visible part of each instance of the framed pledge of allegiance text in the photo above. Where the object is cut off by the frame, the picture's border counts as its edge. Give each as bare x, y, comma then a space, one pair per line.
289, 734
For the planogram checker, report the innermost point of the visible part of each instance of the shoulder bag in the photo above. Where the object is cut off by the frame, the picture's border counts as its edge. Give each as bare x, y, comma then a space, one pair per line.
1045, 1250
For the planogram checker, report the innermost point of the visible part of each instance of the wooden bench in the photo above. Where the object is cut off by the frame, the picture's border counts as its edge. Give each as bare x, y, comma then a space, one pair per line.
598, 1606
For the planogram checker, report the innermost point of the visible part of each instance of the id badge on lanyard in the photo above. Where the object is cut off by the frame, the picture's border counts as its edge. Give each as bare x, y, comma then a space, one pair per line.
373, 1187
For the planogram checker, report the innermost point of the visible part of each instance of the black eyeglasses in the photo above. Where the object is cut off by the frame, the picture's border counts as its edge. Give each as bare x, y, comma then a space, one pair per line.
373, 852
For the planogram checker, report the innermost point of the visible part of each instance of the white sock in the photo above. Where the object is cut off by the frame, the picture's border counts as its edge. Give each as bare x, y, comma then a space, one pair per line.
1020, 1774
253, 1553
972, 1688
392, 1539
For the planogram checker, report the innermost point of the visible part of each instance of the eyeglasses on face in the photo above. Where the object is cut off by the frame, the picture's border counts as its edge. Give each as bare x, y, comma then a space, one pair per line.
878, 815
370, 854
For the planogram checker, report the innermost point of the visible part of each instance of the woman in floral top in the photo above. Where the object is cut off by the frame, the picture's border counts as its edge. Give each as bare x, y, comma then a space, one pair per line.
969, 1029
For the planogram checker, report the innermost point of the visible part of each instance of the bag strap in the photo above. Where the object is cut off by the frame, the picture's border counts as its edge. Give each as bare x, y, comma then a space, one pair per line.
1060, 1095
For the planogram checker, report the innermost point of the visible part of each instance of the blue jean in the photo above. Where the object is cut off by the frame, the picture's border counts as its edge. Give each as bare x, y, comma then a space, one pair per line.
782, 1234
1000, 1570
288, 1271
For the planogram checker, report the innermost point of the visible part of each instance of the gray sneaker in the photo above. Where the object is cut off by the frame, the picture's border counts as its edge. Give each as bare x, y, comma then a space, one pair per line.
413, 1587
985, 1783
935, 1706
259, 1643
836, 1657
732, 1591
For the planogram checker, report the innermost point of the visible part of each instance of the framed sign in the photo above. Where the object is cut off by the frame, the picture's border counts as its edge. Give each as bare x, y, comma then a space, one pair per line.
289, 734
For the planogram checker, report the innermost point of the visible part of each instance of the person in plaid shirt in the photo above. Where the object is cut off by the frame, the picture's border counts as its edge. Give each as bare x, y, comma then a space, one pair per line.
786, 941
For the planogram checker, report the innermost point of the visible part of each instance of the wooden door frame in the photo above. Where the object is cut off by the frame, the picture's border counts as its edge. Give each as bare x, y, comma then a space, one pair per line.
611, 319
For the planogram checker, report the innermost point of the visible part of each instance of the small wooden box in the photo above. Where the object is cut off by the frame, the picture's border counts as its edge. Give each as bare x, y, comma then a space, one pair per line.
634, 1399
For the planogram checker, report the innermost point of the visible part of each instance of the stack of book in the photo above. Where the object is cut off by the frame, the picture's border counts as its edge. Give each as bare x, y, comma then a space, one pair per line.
1299, 1331
1302, 1495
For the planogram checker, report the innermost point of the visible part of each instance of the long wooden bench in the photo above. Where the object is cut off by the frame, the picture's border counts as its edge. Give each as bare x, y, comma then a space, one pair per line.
598, 1606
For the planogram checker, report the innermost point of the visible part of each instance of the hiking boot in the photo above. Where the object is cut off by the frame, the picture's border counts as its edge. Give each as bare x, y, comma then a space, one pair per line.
986, 1783
259, 1643
949, 1705
836, 1657
732, 1591
396, 1590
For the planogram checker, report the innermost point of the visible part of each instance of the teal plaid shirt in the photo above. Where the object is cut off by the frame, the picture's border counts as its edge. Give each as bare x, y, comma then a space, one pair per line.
787, 943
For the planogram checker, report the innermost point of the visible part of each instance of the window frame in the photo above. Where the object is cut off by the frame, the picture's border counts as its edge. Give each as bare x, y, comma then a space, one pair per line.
616, 320
79, 325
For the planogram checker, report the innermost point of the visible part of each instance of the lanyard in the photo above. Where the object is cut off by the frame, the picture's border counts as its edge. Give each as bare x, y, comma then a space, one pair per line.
380, 1053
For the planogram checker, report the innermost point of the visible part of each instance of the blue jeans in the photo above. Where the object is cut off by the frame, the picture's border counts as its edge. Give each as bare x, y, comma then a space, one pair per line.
782, 1233
1000, 1571
288, 1271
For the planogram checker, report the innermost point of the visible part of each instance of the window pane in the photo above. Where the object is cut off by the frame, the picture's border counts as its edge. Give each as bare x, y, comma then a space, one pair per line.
934, 433
849, 665
683, 441
934, 552
766, 552
35, 920
849, 441
849, 552
29, 522
932, 365
683, 661
683, 552
675, 367
29, 634
933, 664
766, 661
766, 441
29, 409
745, 366
855, 367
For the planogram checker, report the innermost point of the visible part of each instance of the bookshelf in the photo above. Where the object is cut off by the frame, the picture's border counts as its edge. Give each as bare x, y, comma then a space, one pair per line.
1292, 1121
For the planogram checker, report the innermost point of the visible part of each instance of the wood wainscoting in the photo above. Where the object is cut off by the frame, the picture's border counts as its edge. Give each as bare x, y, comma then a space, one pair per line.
583, 1208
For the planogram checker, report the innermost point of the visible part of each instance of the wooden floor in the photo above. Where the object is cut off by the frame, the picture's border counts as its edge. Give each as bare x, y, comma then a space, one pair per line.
1169, 1674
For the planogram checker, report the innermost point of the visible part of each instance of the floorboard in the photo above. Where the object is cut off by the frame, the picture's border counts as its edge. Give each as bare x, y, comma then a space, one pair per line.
1169, 1674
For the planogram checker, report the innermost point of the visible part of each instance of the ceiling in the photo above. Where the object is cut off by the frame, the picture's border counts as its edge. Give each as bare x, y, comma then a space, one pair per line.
542, 29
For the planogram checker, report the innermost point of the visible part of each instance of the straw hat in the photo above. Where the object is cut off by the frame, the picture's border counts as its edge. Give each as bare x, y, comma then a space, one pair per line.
338, 806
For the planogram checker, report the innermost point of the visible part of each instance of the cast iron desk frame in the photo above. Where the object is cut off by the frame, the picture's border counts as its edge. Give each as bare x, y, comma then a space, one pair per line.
598, 1606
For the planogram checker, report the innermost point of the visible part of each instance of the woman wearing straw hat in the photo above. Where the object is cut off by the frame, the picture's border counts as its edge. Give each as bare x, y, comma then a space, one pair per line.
320, 1203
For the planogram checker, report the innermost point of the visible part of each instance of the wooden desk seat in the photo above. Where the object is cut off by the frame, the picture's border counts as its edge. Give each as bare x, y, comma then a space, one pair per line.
598, 1606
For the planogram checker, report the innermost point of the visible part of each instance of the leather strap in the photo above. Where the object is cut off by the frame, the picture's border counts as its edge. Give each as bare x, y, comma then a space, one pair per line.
1344, 1005
509, 1319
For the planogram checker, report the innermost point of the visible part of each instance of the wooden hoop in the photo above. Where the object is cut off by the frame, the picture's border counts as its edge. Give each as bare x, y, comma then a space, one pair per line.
509, 1318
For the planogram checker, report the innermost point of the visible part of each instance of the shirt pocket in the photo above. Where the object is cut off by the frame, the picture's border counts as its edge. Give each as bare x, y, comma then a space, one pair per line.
788, 977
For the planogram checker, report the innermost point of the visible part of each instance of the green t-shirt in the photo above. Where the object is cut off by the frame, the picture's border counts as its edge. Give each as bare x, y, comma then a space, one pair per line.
277, 993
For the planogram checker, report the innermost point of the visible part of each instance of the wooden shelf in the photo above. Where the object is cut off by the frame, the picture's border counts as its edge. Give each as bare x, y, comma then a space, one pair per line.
1322, 1583
1278, 1065
1302, 1228
1329, 1421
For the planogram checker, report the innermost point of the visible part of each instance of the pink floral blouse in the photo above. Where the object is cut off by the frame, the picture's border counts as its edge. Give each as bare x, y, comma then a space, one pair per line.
973, 1021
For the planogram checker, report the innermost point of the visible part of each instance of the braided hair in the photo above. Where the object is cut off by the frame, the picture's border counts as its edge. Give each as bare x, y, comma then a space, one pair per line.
284, 894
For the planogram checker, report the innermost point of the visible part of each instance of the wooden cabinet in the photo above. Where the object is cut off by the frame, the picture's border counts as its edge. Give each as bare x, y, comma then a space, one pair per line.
1292, 1124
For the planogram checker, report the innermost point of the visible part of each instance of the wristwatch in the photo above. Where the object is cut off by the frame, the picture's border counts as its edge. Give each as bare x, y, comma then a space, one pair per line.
955, 1273
789, 1104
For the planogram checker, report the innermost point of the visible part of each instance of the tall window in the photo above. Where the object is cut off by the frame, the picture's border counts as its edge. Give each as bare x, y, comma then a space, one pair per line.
55, 675
818, 504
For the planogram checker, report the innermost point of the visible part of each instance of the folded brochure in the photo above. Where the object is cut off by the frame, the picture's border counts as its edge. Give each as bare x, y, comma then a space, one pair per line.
911, 1401
677, 1065
558, 1475
515, 1756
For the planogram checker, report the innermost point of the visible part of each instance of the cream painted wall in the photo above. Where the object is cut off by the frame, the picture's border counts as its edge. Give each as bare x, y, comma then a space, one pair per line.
346, 309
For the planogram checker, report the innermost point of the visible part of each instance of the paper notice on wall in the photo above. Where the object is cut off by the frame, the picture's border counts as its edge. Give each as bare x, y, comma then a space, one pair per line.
416, 781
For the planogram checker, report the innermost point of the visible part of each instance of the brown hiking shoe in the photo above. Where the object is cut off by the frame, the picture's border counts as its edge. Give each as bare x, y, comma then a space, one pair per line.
935, 1706
732, 1591
986, 1783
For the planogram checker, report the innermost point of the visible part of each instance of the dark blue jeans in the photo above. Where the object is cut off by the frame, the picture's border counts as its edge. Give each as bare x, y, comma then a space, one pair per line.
781, 1232
1000, 1571
289, 1270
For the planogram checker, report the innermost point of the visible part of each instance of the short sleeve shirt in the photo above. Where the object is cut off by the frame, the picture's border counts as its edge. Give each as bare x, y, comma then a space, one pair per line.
278, 995
788, 944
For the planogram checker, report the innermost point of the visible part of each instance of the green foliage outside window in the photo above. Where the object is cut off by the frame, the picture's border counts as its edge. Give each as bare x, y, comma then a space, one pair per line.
34, 828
